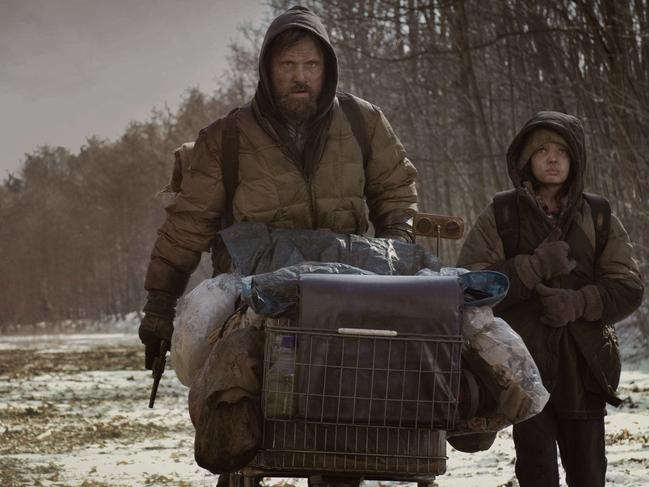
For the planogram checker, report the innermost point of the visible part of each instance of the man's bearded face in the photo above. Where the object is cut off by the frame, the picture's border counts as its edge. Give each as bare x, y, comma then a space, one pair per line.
297, 74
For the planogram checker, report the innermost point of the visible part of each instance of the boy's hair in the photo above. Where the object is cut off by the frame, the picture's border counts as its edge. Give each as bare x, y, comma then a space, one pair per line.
537, 138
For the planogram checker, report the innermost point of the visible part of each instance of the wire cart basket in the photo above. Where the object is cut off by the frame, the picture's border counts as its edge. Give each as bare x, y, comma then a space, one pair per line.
355, 402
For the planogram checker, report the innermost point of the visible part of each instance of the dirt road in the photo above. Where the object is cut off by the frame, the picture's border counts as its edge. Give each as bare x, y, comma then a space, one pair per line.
73, 412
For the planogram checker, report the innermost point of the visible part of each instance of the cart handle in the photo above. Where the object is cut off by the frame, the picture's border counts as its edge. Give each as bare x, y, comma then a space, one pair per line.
366, 332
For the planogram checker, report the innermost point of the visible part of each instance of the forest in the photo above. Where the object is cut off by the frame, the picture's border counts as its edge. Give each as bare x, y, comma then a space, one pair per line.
456, 79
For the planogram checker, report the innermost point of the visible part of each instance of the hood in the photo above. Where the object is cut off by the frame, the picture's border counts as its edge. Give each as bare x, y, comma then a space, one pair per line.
572, 131
296, 18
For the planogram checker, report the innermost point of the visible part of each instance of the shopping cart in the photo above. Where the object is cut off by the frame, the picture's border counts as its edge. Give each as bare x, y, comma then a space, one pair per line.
343, 403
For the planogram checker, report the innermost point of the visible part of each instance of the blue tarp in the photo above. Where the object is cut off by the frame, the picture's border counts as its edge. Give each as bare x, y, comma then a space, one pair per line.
276, 293
272, 260
258, 249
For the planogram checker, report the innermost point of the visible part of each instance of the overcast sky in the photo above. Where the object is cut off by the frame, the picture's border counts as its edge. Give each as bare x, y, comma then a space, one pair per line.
73, 68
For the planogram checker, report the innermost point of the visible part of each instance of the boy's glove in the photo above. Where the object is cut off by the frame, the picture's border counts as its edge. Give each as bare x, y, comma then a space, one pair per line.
550, 259
563, 306
157, 324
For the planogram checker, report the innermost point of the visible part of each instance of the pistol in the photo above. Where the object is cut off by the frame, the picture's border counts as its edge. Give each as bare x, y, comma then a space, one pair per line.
158, 369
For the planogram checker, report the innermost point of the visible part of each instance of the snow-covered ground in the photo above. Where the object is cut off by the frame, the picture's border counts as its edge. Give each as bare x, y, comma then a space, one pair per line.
74, 412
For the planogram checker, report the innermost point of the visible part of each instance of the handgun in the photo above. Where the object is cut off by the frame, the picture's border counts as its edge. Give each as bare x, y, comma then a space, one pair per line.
158, 369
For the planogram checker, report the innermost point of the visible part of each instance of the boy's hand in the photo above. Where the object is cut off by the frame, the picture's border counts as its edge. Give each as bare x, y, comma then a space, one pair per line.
563, 306
550, 259
560, 306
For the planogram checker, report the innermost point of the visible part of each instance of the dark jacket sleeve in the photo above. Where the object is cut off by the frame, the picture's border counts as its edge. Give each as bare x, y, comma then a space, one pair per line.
193, 218
390, 178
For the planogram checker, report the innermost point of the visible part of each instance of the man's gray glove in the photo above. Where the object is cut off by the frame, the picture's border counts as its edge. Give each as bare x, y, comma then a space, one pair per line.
550, 259
157, 324
397, 231
563, 306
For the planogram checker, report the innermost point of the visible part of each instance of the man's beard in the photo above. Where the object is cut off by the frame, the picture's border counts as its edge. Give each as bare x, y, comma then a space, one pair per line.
297, 110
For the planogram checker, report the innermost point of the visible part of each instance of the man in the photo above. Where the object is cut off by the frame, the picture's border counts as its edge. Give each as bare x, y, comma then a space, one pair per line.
571, 278
300, 166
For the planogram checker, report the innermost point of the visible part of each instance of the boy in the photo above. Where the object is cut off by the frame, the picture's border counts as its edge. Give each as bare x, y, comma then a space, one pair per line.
571, 278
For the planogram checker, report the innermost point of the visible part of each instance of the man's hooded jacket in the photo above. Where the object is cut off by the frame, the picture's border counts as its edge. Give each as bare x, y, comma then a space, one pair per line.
326, 186
579, 363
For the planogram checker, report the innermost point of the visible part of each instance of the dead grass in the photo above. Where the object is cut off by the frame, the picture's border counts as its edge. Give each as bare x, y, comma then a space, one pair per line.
20, 364
61, 426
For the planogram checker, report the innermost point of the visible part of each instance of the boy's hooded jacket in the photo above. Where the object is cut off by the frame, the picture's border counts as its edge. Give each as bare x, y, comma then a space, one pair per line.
325, 186
580, 362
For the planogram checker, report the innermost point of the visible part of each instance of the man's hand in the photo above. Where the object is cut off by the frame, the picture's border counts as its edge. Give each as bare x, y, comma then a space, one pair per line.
561, 306
157, 324
550, 259
154, 329
396, 231
397, 236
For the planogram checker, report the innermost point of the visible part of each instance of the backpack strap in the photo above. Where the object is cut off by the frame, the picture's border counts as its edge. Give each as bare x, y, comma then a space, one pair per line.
352, 111
506, 214
600, 210
230, 174
182, 158
505, 206
230, 164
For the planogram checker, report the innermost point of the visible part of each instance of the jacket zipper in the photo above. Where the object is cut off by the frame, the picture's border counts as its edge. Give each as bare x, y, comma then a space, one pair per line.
312, 202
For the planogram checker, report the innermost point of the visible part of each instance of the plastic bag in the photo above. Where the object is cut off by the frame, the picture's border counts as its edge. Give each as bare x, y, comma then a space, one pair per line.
481, 288
201, 312
521, 390
276, 293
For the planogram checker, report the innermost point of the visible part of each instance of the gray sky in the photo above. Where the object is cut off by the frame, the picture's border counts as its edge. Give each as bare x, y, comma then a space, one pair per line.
73, 68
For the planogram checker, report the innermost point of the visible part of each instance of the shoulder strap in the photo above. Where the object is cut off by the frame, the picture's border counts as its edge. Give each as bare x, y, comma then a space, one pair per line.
600, 210
505, 205
230, 163
182, 159
353, 113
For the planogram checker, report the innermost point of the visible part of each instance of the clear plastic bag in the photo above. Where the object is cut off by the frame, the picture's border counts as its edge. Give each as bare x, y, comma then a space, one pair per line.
202, 311
521, 391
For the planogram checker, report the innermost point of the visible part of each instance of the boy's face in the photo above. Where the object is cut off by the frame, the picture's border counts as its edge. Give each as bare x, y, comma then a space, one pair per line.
551, 164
